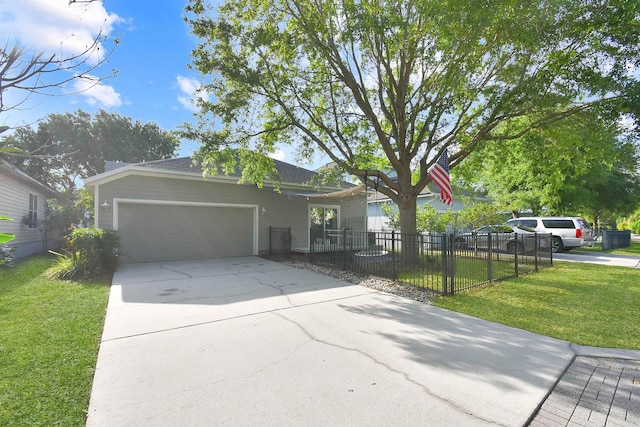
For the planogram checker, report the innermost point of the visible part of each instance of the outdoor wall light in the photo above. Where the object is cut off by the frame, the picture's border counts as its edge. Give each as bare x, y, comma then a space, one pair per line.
105, 206
263, 210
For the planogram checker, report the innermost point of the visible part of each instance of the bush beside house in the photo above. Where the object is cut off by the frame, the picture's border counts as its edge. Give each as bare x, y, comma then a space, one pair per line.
88, 253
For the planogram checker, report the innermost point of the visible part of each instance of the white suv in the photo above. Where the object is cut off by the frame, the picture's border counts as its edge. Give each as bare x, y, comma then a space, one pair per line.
567, 232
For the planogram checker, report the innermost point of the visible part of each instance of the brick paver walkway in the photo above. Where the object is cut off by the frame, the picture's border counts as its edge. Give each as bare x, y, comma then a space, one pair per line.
594, 392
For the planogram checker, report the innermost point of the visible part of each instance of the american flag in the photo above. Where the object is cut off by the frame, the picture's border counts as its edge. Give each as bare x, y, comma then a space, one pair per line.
439, 174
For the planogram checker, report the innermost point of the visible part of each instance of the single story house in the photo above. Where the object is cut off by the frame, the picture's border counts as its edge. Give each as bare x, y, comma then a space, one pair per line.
377, 220
24, 199
166, 210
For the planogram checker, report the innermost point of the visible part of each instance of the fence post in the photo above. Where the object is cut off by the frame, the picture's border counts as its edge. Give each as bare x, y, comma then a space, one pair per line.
535, 253
393, 253
344, 248
515, 255
443, 250
490, 256
452, 264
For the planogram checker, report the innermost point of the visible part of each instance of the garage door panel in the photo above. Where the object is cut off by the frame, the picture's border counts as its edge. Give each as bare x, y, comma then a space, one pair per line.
169, 232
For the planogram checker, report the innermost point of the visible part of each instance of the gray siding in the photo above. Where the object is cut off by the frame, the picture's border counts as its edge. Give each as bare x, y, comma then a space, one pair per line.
282, 210
14, 203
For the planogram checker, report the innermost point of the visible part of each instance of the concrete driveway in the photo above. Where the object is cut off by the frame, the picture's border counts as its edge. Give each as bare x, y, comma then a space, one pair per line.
246, 341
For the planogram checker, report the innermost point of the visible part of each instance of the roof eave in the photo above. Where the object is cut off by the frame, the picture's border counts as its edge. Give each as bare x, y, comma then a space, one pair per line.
27, 180
122, 172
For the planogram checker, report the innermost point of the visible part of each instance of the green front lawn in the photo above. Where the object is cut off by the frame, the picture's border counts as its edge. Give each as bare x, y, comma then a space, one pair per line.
633, 250
585, 304
49, 337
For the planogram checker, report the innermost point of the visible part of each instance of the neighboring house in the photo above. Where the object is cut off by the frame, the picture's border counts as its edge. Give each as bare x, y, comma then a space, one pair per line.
377, 220
166, 210
25, 199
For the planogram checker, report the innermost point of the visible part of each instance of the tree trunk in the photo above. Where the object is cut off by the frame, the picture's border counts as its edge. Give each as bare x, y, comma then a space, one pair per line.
407, 207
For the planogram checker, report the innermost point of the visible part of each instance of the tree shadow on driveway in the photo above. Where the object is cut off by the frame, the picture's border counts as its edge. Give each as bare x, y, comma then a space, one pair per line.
217, 281
479, 351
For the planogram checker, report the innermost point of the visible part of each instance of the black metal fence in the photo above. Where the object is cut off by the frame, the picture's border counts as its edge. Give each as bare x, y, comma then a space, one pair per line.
279, 240
614, 239
443, 263
606, 240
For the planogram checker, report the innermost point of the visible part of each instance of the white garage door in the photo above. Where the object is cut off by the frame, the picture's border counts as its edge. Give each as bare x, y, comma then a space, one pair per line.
157, 232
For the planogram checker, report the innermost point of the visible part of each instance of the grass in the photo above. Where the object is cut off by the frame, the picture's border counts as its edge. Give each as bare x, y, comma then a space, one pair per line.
633, 250
49, 337
586, 304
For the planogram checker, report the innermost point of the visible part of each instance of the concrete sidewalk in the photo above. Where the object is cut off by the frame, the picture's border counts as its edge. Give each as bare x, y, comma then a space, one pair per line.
247, 341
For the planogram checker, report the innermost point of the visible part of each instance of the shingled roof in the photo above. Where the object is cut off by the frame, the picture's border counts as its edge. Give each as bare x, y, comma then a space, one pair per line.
288, 173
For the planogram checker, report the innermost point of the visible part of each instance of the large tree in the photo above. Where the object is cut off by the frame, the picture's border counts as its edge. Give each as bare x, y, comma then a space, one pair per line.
397, 83
66, 147
584, 164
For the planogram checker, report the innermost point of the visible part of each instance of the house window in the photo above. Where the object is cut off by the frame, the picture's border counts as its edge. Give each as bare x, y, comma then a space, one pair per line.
33, 211
323, 218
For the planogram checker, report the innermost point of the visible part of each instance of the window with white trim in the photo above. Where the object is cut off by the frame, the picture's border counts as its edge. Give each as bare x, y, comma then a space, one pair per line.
33, 211
322, 219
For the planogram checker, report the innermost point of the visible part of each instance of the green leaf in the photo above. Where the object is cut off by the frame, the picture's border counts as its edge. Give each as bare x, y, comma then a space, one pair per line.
6, 237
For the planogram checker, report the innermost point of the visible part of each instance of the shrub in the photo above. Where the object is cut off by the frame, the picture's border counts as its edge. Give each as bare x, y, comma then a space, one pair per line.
6, 256
64, 268
635, 227
89, 252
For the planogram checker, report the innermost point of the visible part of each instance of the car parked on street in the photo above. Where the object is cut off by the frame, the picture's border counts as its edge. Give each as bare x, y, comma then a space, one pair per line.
503, 238
567, 232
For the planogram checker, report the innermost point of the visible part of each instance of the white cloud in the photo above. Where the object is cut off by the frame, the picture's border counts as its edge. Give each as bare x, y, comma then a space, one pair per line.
96, 93
57, 27
67, 30
189, 91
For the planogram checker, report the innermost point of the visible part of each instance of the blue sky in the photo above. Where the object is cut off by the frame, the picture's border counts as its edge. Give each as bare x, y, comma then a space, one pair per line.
153, 83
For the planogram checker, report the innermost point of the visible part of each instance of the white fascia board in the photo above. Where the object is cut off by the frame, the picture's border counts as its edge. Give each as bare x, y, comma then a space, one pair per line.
145, 171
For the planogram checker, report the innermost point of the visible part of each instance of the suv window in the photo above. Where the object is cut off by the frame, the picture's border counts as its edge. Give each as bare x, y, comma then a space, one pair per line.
584, 224
531, 223
558, 223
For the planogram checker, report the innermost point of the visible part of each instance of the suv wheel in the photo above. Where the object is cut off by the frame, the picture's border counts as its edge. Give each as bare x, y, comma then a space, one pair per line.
556, 244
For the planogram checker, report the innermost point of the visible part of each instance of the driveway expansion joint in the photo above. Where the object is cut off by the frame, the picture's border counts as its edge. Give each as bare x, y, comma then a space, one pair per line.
163, 266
